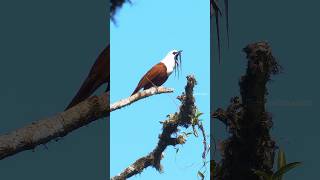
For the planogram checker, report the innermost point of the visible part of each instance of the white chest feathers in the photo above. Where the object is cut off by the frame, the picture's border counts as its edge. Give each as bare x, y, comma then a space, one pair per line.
170, 63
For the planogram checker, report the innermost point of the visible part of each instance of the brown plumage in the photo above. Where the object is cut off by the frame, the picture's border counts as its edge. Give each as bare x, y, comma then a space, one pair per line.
156, 76
98, 75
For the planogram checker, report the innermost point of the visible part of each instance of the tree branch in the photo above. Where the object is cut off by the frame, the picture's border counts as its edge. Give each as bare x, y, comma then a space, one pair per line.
140, 95
42, 131
250, 145
183, 118
45, 130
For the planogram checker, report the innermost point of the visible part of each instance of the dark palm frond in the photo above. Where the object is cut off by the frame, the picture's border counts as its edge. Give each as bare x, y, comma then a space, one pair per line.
215, 7
215, 11
226, 8
218, 33
116, 4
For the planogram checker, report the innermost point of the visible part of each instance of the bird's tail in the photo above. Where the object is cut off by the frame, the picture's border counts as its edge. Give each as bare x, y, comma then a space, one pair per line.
87, 88
136, 90
93, 80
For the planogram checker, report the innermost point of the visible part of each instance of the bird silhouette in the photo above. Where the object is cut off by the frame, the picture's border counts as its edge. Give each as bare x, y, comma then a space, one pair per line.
98, 75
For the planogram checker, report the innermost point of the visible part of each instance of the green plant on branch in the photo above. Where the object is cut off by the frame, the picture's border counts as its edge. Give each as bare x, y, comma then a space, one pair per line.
282, 168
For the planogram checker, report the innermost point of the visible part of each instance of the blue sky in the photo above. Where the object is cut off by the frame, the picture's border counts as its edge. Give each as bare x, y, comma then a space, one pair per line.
144, 33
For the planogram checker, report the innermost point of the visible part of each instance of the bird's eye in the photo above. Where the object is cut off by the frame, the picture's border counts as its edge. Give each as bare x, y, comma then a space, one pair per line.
174, 53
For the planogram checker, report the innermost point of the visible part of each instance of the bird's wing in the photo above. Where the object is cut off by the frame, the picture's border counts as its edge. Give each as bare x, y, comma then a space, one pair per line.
98, 75
153, 73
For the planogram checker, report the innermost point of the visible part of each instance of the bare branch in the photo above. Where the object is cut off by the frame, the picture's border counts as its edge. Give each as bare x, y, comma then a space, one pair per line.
183, 118
140, 95
45, 130
42, 131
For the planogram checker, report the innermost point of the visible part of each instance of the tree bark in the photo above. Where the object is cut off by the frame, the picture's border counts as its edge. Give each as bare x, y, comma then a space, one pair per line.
250, 146
45, 130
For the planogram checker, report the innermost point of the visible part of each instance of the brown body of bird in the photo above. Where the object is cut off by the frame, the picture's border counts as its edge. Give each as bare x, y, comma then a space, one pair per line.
160, 72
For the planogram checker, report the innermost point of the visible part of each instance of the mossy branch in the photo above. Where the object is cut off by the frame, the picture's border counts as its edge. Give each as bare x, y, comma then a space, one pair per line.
183, 118
250, 145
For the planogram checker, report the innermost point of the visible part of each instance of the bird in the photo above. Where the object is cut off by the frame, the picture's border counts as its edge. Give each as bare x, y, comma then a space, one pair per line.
160, 72
98, 75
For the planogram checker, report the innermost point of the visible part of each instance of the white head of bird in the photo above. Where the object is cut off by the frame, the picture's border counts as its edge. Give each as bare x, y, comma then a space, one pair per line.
171, 60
